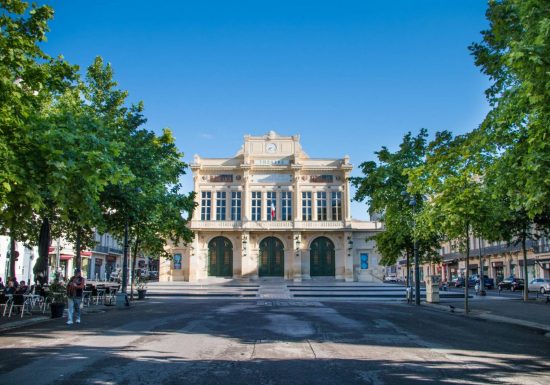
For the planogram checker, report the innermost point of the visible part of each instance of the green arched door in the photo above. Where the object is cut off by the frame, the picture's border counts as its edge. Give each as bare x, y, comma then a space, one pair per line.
321, 254
272, 258
220, 257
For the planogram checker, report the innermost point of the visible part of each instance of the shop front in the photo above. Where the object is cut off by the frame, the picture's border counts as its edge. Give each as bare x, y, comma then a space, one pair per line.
498, 271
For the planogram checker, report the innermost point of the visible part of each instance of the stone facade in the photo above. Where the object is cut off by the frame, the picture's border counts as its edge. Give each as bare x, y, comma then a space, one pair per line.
271, 210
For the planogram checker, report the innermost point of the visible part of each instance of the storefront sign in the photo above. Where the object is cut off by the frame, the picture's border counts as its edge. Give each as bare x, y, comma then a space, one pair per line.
222, 178
322, 178
177, 261
364, 260
271, 178
271, 162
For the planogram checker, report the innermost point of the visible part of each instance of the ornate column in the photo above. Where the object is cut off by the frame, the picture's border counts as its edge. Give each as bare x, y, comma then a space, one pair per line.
297, 198
348, 250
346, 199
193, 259
246, 200
313, 205
297, 268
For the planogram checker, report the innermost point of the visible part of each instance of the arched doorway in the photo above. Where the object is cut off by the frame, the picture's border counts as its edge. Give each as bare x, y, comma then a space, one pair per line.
321, 254
272, 258
220, 257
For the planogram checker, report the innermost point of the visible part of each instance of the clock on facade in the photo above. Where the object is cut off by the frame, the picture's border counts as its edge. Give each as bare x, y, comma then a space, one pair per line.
271, 147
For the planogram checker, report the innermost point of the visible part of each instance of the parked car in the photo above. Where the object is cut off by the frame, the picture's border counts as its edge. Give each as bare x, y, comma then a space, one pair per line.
489, 282
390, 278
541, 285
459, 282
511, 283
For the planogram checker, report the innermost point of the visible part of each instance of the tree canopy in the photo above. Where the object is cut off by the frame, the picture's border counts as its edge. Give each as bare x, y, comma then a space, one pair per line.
72, 151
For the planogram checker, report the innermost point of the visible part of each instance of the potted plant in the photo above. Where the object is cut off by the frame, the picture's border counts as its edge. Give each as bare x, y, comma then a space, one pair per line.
142, 287
57, 295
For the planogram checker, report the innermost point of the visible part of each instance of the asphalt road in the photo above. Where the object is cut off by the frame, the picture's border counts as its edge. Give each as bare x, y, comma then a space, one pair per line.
179, 341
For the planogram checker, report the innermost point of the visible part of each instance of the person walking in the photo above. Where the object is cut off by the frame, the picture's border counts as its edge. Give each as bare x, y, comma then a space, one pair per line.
75, 287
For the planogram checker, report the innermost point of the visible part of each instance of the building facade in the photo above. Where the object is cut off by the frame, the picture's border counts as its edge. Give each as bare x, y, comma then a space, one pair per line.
272, 211
500, 260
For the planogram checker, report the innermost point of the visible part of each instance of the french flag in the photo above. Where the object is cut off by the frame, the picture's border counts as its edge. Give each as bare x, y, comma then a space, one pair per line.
272, 210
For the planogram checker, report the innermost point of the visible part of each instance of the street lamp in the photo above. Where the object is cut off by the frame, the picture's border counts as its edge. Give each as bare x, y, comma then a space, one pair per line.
415, 254
412, 202
481, 272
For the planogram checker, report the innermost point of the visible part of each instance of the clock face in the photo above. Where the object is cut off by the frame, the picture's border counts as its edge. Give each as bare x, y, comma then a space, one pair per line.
271, 147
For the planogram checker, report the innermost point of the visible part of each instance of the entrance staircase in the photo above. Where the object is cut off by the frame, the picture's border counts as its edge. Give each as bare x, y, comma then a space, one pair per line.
279, 289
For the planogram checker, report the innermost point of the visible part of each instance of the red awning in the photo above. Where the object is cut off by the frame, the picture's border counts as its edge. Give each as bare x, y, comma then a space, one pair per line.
51, 249
86, 253
65, 257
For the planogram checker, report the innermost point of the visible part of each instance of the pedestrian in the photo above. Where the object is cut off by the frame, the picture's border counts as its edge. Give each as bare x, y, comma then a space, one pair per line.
1, 284
75, 287
10, 289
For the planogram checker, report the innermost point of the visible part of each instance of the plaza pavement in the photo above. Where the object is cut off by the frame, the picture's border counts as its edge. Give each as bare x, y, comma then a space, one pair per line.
272, 341
497, 307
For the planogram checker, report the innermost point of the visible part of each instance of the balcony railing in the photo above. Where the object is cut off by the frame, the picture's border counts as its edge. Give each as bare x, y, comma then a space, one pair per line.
542, 248
107, 250
490, 250
282, 225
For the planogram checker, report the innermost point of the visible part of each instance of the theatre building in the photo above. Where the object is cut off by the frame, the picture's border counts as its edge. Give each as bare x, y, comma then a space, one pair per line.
272, 211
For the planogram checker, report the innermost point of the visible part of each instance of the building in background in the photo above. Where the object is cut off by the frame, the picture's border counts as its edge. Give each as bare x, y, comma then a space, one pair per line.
24, 264
272, 211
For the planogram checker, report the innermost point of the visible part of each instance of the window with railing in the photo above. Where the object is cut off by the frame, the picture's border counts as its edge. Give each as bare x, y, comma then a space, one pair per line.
286, 206
306, 206
256, 206
206, 205
221, 205
336, 203
322, 206
235, 205
271, 206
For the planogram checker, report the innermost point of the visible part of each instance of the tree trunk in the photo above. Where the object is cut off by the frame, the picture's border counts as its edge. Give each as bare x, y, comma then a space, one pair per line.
78, 256
134, 266
13, 256
408, 278
467, 276
525, 270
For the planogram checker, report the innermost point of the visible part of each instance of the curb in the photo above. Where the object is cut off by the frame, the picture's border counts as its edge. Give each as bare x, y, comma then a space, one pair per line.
492, 317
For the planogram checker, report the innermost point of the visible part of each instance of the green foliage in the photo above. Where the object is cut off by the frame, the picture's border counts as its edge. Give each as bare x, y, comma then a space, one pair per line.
452, 180
73, 151
57, 292
515, 54
29, 80
142, 283
382, 186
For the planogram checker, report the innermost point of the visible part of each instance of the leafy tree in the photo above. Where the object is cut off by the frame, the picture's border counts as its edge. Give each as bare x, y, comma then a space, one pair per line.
458, 204
149, 202
29, 79
513, 223
382, 186
515, 54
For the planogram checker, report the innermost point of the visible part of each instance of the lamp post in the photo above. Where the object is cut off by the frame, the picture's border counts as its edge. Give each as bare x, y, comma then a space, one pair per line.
122, 297
125, 259
412, 202
415, 256
481, 272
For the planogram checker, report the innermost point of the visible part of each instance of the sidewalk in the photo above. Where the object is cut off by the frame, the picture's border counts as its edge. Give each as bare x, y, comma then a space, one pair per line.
533, 314
15, 321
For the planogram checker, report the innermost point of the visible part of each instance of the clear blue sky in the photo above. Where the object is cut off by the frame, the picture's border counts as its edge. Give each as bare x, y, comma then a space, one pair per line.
348, 76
